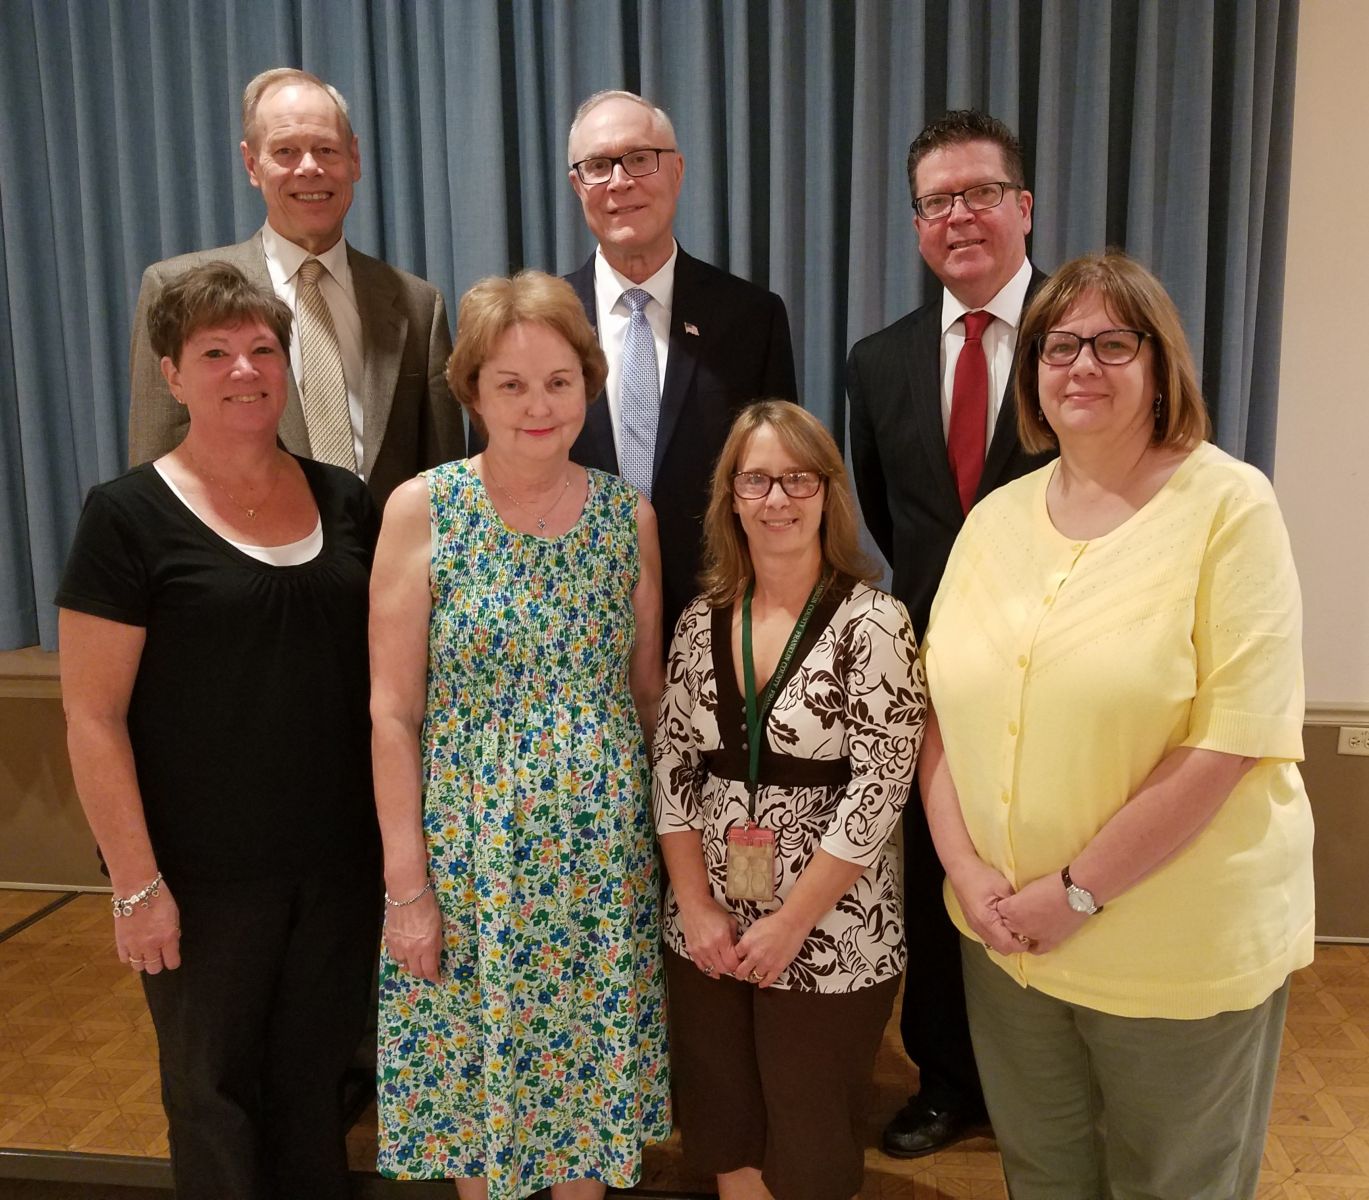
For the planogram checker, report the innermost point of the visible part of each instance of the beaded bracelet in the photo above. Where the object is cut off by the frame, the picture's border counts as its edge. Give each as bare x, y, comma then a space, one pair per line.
124, 905
418, 895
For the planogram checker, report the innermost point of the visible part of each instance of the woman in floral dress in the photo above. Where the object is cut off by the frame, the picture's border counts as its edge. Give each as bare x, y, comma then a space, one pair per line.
515, 647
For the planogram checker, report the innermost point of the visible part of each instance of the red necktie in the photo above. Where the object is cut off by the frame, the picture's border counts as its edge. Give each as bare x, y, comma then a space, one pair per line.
969, 410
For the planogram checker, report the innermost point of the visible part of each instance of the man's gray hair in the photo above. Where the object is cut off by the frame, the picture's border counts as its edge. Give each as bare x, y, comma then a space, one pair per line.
659, 115
280, 77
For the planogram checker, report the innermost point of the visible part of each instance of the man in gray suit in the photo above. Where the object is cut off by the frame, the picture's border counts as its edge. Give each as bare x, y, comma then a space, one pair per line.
386, 329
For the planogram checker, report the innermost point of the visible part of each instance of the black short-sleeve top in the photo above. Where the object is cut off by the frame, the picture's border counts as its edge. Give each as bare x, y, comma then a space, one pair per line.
249, 717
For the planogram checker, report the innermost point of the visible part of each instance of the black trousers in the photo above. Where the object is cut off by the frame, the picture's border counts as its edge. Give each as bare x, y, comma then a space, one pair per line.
932, 1022
257, 1027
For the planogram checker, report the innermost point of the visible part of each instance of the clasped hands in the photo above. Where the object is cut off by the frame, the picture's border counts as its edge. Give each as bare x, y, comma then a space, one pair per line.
1034, 920
759, 956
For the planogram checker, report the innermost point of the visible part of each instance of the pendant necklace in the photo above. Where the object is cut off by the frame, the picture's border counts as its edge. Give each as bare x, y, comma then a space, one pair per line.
542, 520
209, 475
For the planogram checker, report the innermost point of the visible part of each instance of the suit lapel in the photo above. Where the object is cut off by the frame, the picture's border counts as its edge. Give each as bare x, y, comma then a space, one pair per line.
689, 326
1005, 441
1001, 447
384, 328
923, 364
595, 446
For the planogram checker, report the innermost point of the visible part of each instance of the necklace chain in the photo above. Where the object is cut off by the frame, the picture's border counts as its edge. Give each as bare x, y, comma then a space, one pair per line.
208, 474
541, 520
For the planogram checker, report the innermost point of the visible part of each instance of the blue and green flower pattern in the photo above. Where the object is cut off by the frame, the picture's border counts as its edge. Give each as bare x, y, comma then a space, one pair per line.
539, 1055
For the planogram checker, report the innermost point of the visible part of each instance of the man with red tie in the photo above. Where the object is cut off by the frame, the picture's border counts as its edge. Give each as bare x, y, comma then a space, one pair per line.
933, 429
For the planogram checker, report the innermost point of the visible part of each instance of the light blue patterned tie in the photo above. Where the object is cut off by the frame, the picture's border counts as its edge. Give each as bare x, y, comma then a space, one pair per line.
639, 396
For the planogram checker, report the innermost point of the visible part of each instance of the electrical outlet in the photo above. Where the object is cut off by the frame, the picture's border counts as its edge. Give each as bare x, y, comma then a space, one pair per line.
1354, 739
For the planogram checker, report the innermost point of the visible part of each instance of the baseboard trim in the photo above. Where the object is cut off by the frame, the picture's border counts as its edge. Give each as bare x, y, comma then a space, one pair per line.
1337, 712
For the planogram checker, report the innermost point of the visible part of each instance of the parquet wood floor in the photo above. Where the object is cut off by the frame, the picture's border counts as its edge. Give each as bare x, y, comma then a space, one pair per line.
78, 1072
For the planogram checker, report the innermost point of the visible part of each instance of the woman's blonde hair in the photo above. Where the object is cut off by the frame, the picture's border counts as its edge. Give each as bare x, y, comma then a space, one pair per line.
727, 559
495, 305
1134, 296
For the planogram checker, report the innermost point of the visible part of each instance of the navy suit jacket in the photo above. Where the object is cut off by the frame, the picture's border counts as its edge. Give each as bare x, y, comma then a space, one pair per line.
898, 452
729, 345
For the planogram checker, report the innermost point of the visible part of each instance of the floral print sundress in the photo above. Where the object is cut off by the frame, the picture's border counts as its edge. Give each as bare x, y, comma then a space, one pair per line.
539, 1056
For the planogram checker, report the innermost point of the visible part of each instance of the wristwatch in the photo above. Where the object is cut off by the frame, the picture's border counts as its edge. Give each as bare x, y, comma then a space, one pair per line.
1080, 899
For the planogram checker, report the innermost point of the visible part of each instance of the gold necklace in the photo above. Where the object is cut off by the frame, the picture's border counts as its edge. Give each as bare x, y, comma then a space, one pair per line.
542, 520
208, 474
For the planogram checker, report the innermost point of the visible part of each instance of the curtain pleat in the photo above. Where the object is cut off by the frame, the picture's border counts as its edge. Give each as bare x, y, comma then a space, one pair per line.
1164, 128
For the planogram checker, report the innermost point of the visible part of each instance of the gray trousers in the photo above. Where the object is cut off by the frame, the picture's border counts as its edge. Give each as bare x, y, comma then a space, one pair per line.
1090, 1106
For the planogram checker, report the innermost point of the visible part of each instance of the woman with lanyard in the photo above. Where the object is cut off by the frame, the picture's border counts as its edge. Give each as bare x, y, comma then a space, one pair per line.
789, 726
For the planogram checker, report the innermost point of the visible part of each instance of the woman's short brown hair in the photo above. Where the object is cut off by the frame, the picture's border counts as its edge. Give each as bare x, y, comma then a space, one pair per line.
211, 295
495, 305
727, 559
1134, 296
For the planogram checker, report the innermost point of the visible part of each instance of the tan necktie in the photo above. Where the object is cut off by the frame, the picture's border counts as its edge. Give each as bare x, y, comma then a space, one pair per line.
324, 387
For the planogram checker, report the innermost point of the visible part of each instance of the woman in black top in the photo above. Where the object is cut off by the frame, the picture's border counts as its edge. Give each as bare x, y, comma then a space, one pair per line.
214, 674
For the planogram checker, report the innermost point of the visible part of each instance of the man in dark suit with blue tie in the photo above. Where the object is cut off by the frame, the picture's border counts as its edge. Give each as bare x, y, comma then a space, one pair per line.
933, 429
688, 345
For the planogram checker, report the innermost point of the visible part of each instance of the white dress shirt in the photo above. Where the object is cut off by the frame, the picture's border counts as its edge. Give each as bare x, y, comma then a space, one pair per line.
999, 341
283, 261
613, 315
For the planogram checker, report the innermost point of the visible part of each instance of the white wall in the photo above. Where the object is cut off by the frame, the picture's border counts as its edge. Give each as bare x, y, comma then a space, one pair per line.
1323, 432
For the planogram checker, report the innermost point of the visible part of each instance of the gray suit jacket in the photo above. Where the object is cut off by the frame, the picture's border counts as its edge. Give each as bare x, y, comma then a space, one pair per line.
410, 420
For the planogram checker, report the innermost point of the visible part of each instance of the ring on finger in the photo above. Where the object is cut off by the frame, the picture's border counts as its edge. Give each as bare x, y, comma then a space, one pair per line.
135, 961
756, 977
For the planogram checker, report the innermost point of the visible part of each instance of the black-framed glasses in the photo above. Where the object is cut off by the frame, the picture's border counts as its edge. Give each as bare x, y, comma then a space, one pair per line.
599, 169
756, 485
1111, 347
937, 206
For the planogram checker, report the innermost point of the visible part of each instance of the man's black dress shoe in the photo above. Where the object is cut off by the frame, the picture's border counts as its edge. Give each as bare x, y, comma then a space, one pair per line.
919, 1129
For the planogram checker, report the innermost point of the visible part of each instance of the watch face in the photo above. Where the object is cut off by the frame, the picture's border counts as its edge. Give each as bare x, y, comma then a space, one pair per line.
1080, 901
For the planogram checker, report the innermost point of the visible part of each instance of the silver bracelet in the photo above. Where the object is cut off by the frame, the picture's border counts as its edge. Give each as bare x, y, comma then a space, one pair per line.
124, 905
418, 895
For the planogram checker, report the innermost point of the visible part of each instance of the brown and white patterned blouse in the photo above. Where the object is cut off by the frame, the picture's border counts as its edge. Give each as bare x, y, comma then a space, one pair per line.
841, 741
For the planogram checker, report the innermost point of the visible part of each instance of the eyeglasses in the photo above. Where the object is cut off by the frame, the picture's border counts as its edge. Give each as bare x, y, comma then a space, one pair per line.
756, 485
635, 163
938, 205
1111, 347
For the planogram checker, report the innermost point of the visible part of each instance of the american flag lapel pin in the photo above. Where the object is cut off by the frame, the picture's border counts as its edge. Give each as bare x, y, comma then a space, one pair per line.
689, 328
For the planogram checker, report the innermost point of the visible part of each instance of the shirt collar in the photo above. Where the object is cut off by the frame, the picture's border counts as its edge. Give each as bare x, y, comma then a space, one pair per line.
1006, 306
284, 258
609, 285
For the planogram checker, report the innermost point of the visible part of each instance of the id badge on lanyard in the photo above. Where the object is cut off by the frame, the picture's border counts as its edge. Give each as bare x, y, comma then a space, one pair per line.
751, 849
750, 863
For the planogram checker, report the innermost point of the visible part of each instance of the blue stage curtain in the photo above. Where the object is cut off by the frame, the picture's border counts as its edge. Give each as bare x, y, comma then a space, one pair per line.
1164, 128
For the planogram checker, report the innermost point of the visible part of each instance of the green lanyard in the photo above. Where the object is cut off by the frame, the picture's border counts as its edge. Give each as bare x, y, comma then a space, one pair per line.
755, 713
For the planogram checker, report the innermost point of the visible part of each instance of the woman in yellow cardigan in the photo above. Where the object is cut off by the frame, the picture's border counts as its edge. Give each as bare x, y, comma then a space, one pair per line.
1114, 658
